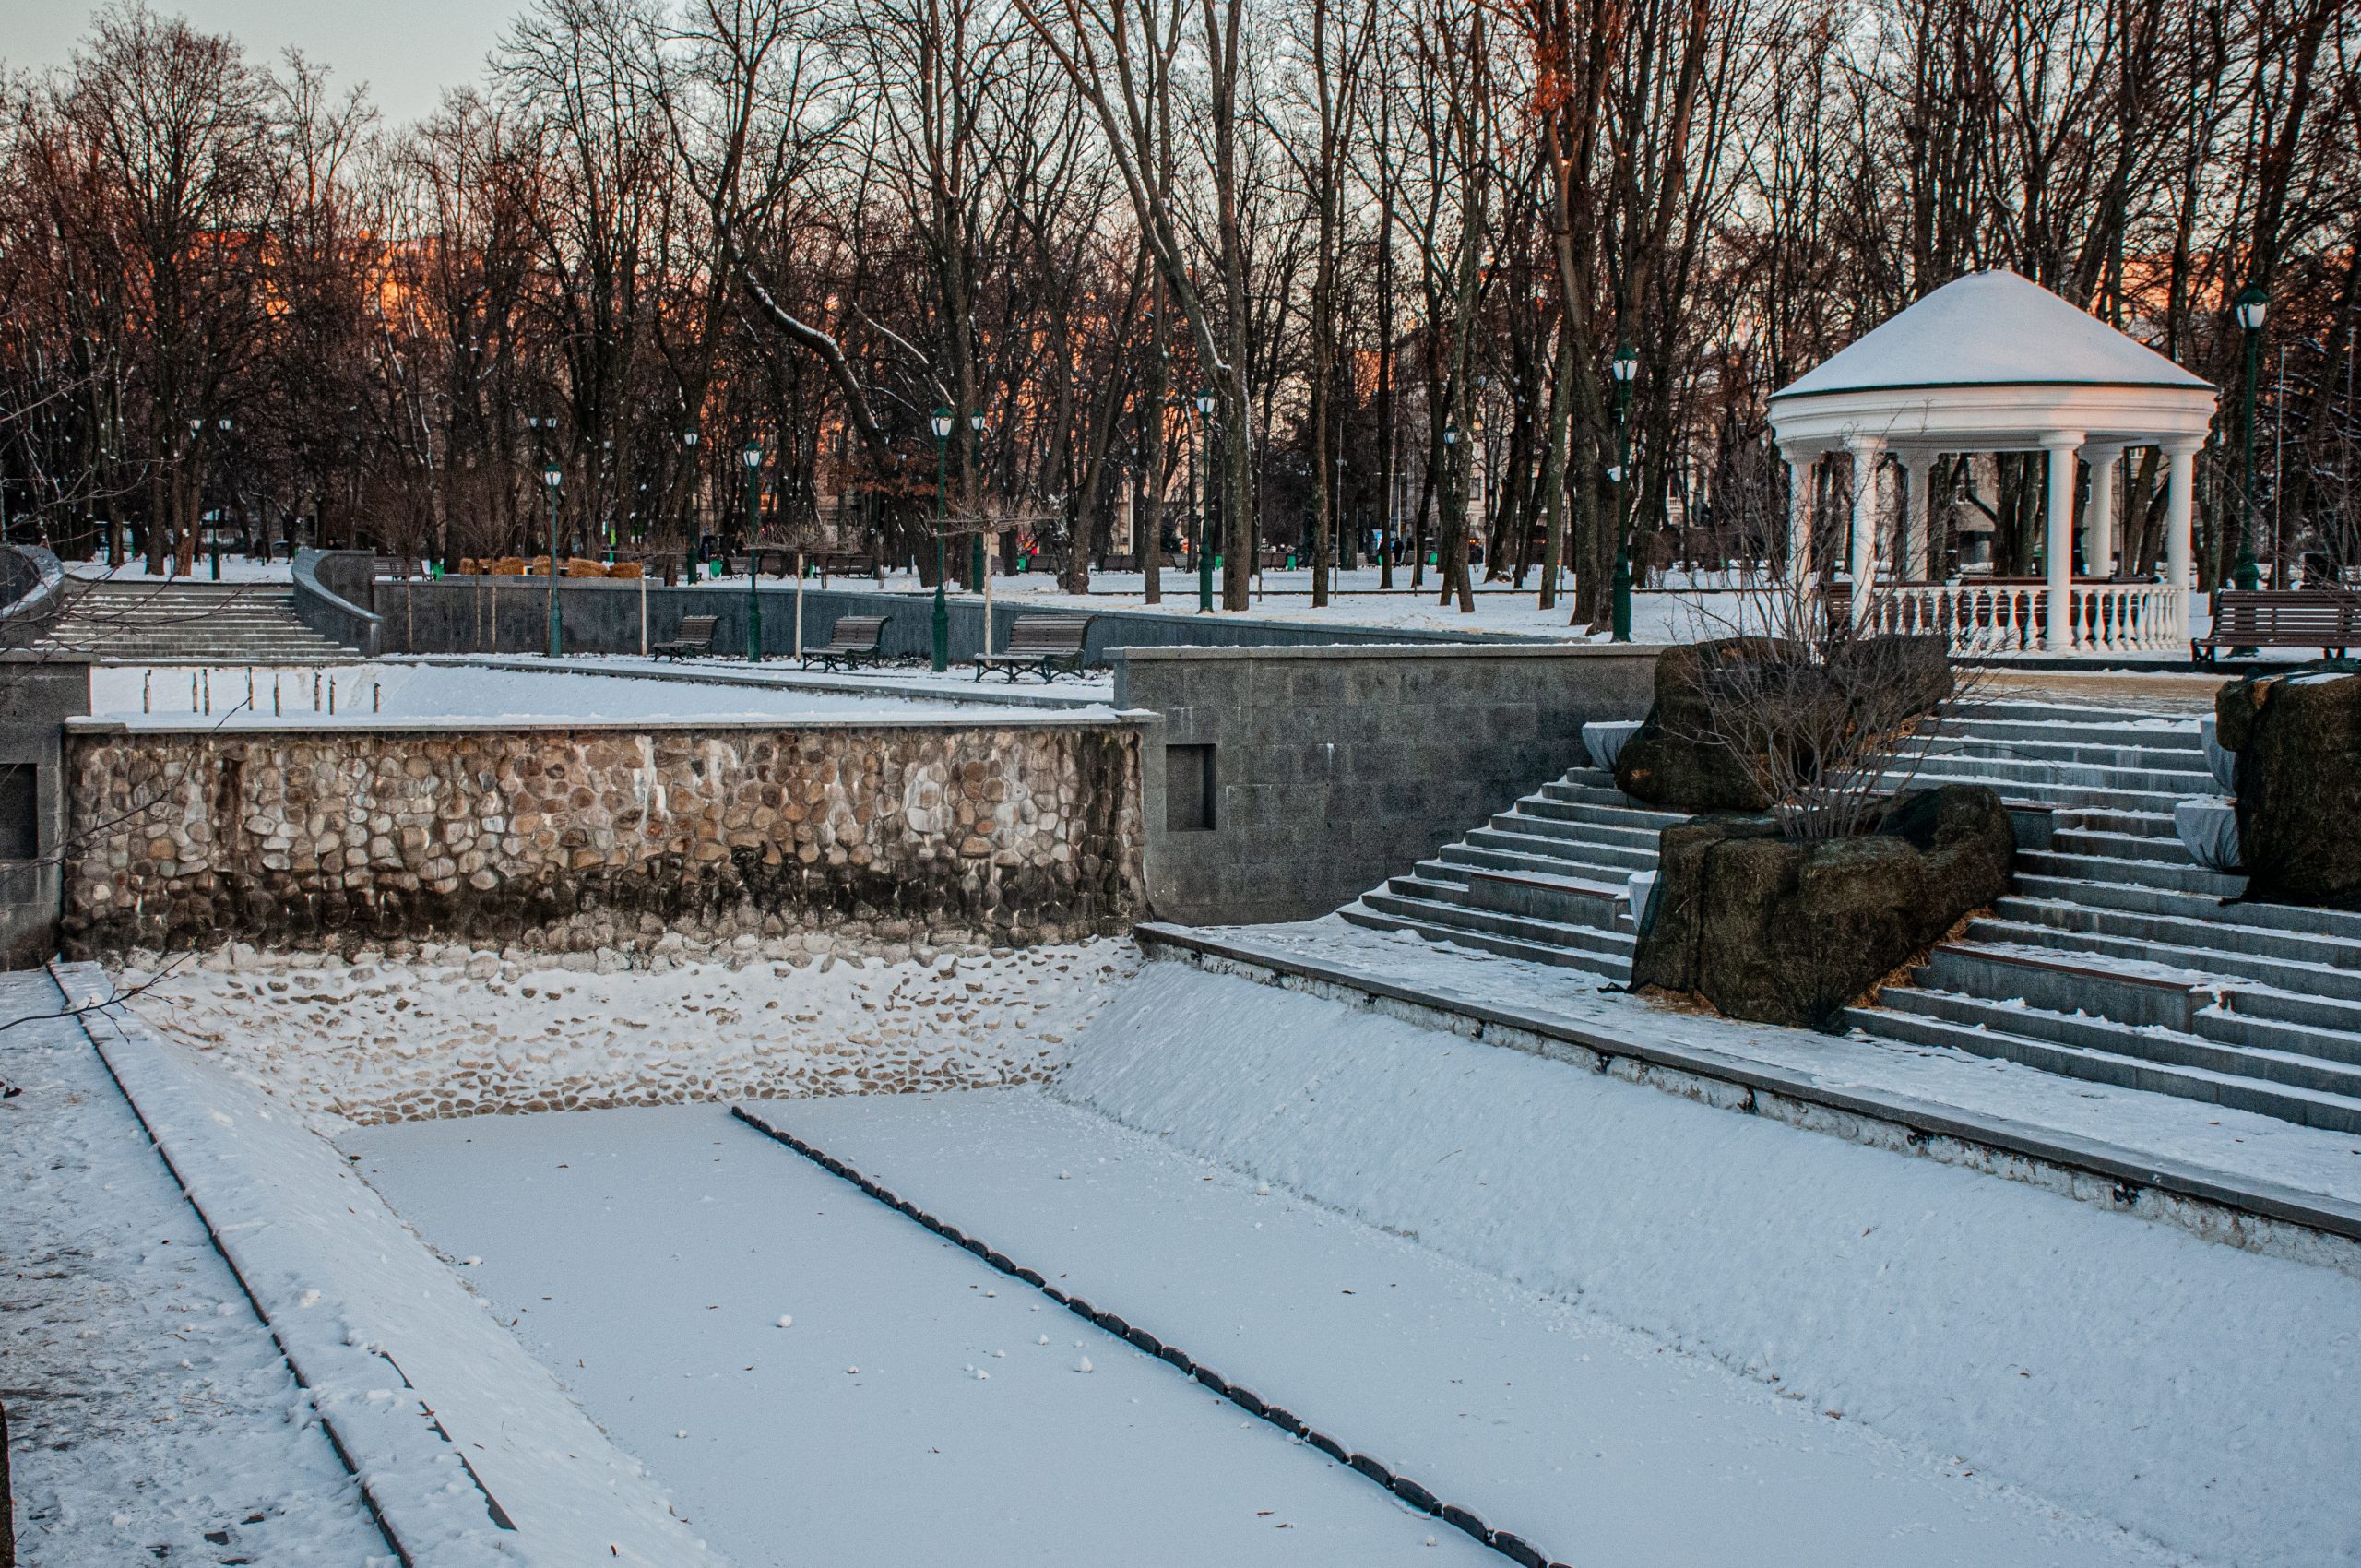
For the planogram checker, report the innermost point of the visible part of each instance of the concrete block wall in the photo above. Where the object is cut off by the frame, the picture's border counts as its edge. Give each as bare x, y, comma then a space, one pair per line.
1335, 767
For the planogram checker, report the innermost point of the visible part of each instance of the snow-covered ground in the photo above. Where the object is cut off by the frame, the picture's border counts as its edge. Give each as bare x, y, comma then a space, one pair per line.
2241, 1145
2198, 1394
451, 1031
151, 1419
820, 1381
234, 569
261, 697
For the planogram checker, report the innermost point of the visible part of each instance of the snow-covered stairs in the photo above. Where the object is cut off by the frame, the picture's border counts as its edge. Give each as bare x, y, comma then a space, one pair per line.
2115, 958
1545, 880
186, 621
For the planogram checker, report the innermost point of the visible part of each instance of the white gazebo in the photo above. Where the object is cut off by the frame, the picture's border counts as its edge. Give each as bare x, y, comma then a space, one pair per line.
1993, 363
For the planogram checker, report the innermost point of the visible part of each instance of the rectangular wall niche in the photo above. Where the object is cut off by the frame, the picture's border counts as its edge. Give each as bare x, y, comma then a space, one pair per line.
20, 811
1188, 788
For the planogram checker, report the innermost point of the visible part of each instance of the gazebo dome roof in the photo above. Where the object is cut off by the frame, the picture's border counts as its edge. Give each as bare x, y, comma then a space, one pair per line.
1991, 329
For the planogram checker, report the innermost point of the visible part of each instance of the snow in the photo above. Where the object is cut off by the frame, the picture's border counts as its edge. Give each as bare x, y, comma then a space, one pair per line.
234, 569
147, 1404
456, 1031
644, 1255
1991, 329
2242, 1147
263, 697
470, 1451
1594, 1443
2196, 1393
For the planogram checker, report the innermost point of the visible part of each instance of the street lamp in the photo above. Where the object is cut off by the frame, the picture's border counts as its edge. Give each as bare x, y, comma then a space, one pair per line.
975, 567
1204, 401
942, 423
750, 454
2253, 306
552, 477
1626, 366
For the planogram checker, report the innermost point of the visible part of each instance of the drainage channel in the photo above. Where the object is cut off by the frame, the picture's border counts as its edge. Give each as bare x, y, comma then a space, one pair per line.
1514, 1547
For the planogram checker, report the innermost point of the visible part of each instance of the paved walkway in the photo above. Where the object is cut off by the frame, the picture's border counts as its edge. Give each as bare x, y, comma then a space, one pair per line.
151, 1419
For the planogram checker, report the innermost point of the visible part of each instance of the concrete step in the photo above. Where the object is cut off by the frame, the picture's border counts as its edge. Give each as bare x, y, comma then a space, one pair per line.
1422, 905
1453, 862
2017, 775
2138, 898
1567, 900
2304, 979
1612, 966
2121, 873
2085, 716
1638, 835
2288, 1103
2171, 1047
2226, 936
2226, 1022
1527, 837
2151, 734
2122, 846
2073, 753
1543, 824
1572, 804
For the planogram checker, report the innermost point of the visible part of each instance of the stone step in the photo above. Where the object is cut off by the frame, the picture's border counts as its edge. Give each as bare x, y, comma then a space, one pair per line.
1423, 904
2118, 1066
1453, 862
2078, 715
2015, 775
1530, 837
1611, 966
2072, 752
2304, 979
1574, 803
2120, 872
1638, 835
1540, 820
2136, 898
2219, 935
2226, 1022
1567, 900
2041, 731
2122, 846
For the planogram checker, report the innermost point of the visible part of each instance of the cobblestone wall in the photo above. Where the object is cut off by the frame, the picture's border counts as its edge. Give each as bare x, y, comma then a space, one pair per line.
575, 839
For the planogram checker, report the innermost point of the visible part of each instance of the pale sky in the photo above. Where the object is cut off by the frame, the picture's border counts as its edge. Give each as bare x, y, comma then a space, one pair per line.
408, 51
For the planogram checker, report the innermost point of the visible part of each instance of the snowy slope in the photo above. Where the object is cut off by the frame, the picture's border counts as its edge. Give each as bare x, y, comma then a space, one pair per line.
150, 1417
2201, 1395
469, 1452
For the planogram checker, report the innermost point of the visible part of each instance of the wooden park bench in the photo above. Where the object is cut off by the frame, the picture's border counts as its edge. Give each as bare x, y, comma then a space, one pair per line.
853, 641
2320, 618
1047, 645
694, 636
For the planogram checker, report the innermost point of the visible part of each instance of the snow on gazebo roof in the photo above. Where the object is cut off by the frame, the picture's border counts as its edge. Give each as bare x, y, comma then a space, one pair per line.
1991, 329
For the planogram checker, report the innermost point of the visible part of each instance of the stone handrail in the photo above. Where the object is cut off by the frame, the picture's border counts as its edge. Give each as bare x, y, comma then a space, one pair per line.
327, 582
35, 585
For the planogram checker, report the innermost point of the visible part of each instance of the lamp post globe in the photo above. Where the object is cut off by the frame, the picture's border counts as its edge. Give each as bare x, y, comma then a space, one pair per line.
2253, 307
552, 477
941, 423
750, 454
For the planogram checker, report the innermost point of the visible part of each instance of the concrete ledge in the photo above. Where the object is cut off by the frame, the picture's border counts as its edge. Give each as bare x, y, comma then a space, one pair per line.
177, 724
2214, 1204
1530, 649
782, 676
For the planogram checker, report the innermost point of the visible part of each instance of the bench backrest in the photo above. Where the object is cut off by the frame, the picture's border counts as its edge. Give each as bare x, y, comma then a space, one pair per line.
2285, 612
857, 633
697, 628
1049, 634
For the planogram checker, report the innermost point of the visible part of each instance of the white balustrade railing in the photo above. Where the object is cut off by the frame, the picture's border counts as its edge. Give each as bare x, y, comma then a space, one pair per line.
1998, 618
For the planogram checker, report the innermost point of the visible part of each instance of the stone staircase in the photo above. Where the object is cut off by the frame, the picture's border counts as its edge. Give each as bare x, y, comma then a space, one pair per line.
185, 622
2113, 959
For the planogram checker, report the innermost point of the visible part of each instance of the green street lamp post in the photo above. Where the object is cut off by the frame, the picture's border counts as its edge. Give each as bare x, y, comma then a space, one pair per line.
750, 454
1204, 401
942, 611
2253, 306
1626, 366
552, 477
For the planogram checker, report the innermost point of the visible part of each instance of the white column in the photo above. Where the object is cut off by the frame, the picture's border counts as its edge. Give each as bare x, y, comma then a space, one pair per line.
1800, 462
2059, 552
1917, 523
2098, 517
2180, 488
1868, 451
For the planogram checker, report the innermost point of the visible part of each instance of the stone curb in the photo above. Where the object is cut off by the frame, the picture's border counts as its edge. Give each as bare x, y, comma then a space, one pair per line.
2126, 1173
1506, 1542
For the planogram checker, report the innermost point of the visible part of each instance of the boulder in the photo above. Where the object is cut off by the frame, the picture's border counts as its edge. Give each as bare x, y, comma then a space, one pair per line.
1789, 931
1687, 757
2297, 739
